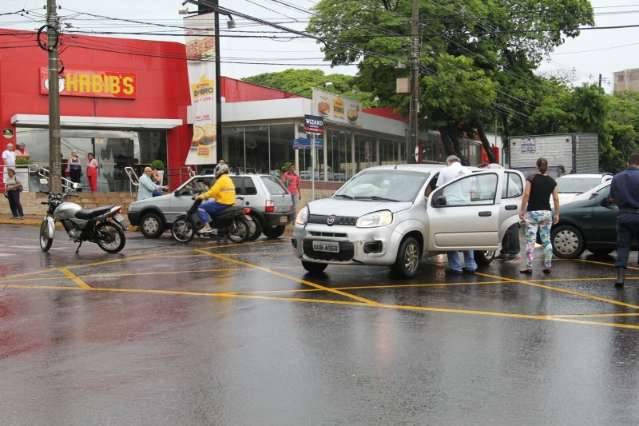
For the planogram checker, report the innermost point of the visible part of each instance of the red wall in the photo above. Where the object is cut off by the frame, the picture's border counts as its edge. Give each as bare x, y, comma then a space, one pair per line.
162, 81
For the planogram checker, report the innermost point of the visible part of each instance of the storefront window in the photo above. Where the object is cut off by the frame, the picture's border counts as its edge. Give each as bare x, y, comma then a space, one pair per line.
233, 147
387, 153
257, 149
340, 166
113, 149
365, 151
282, 137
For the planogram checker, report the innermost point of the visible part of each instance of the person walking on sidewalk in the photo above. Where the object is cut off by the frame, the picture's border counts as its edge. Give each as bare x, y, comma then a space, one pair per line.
92, 172
449, 173
9, 160
291, 181
74, 168
536, 212
13, 188
624, 191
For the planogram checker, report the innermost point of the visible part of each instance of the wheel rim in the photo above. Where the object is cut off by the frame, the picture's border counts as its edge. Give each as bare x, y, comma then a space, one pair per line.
490, 254
151, 225
411, 258
182, 230
109, 238
566, 242
44, 241
238, 231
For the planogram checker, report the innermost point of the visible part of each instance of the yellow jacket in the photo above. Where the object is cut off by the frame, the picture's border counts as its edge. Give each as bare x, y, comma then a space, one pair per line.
222, 191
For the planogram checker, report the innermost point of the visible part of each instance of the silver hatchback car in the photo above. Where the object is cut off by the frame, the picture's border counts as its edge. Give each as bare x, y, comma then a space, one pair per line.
394, 215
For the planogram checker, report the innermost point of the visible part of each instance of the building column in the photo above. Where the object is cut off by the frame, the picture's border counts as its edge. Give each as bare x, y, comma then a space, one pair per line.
325, 155
296, 135
353, 160
378, 160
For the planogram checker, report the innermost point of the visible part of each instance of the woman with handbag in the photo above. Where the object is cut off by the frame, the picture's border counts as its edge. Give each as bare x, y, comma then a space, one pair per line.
13, 189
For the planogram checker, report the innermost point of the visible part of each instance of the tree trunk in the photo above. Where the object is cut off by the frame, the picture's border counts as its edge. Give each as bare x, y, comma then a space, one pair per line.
446, 141
505, 139
486, 144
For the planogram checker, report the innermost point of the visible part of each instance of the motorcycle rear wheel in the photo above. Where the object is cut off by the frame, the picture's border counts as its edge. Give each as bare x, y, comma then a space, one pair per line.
238, 230
45, 241
110, 238
182, 230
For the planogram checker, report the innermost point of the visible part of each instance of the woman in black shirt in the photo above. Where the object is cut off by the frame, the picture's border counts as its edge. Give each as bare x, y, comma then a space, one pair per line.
536, 212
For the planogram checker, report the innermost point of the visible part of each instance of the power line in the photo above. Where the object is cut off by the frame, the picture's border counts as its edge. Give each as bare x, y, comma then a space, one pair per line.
270, 10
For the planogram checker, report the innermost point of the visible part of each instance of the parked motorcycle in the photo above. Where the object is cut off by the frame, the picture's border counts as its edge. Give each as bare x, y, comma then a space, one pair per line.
230, 223
103, 225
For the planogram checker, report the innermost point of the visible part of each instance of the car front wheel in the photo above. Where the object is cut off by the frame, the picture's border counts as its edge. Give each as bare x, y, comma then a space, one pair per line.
486, 257
152, 225
567, 242
408, 258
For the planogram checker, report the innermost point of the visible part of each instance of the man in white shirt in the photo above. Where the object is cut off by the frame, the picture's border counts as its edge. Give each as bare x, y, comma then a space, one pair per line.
9, 160
456, 195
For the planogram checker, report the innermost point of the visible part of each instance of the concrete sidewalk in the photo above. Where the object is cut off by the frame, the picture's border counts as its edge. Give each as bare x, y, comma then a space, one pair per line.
31, 220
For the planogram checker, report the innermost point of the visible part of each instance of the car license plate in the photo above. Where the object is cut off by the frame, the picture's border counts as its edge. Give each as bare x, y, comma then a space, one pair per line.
284, 220
326, 246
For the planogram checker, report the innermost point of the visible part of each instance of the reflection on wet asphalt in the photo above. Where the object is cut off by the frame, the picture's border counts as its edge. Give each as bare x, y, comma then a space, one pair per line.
222, 334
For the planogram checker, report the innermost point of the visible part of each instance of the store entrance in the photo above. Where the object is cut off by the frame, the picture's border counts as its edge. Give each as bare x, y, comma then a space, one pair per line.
113, 149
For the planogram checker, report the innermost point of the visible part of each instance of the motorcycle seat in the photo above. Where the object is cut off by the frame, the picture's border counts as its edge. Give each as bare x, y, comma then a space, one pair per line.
88, 214
228, 212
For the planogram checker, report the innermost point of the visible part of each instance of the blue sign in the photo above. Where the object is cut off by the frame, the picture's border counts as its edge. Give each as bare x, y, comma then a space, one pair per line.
305, 143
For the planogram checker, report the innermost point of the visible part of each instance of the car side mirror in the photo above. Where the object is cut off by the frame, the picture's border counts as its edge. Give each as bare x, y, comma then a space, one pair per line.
439, 201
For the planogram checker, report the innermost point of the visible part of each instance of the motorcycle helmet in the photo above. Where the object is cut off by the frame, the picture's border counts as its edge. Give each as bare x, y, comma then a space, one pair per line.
220, 169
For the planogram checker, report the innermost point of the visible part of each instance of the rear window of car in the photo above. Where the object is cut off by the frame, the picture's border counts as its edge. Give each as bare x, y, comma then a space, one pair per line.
273, 185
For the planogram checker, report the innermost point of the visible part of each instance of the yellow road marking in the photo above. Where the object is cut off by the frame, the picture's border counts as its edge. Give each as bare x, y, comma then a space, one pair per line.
135, 274
555, 318
239, 245
595, 262
289, 277
562, 290
73, 277
619, 314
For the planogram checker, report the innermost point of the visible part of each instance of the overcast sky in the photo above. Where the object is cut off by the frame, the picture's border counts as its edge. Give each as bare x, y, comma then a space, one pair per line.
593, 52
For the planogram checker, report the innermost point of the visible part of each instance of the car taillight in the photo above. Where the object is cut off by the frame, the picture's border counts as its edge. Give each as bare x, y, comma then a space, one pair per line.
269, 207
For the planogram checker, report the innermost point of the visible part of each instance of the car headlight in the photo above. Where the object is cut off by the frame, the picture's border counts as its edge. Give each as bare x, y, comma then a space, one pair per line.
374, 220
302, 217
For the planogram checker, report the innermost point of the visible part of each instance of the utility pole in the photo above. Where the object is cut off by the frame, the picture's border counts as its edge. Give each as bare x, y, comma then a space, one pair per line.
600, 79
55, 158
413, 118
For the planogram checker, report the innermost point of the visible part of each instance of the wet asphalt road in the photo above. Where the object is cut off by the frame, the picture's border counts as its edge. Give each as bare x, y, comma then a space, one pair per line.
238, 335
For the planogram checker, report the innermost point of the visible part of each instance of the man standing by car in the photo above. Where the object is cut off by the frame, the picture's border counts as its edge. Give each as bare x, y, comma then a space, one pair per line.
451, 172
147, 186
625, 193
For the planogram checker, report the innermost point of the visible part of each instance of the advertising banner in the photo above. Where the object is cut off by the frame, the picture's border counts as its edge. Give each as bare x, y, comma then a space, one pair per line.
336, 108
93, 84
200, 53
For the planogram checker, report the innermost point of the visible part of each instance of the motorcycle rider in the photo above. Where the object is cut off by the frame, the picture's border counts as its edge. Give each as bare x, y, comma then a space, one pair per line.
222, 194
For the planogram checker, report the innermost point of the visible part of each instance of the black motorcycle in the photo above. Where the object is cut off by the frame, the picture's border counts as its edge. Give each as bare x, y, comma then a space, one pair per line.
229, 223
103, 225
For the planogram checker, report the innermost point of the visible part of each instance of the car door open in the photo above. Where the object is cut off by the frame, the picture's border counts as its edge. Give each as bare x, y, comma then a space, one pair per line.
464, 214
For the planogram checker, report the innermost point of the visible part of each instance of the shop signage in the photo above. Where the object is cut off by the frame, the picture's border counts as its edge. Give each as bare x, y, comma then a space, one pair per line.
313, 124
305, 143
7, 133
336, 108
94, 84
200, 53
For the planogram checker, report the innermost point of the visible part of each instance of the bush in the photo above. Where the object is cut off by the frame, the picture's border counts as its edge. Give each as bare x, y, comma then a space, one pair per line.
157, 164
22, 161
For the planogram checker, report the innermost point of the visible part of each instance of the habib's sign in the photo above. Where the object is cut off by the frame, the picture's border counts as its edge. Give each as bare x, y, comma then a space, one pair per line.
94, 84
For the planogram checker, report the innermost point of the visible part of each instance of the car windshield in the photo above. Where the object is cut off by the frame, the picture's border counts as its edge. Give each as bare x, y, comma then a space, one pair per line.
383, 185
573, 185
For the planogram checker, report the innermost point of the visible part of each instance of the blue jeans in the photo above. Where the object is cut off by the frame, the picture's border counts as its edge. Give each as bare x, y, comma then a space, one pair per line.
454, 260
208, 209
627, 231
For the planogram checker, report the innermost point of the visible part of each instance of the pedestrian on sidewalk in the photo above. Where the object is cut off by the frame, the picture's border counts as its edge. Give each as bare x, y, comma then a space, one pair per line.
291, 182
625, 193
92, 172
13, 187
449, 173
9, 160
536, 213
74, 168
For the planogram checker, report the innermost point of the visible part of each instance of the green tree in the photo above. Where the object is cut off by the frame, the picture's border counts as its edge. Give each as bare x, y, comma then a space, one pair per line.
495, 43
301, 82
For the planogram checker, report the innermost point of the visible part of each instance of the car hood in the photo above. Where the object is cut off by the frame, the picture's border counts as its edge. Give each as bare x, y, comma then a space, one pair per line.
353, 208
150, 201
